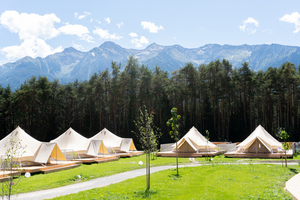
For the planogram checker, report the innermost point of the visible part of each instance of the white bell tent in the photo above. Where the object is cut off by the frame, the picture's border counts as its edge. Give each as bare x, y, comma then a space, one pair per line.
194, 141
29, 149
71, 141
114, 142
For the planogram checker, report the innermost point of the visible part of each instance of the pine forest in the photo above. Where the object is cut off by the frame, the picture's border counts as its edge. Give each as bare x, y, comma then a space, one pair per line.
228, 102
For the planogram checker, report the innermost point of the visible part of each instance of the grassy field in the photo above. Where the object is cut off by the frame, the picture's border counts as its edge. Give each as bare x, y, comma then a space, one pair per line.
264, 181
88, 172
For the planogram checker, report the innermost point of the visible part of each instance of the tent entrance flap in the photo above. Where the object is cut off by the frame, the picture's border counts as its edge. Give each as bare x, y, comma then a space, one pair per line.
127, 144
186, 146
132, 146
48, 150
94, 147
258, 146
57, 154
102, 148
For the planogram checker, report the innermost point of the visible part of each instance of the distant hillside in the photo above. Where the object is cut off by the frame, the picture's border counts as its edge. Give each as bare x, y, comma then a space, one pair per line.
72, 64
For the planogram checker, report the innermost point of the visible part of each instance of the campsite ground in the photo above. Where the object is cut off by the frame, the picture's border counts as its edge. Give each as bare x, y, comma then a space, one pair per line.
88, 172
263, 181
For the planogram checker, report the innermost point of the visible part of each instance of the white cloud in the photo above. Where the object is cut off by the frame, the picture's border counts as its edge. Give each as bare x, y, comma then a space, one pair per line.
243, 27
151, 27
293, 18
107, 19
133, 34
174, 38
33, 30
32, 47
91, 20
120, 24
82, 16
30, 25
78, 47
139, 42
76, 29
248, 21
104, 34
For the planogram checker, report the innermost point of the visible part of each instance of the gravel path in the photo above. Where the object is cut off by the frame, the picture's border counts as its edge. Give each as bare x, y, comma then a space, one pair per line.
87, 185
116, 178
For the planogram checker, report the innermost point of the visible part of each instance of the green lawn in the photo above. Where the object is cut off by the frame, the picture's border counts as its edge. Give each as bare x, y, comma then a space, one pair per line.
264, 181
88, 172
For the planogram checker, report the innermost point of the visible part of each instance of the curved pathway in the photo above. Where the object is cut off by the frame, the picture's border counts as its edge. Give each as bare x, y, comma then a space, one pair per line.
95, 183
116, 178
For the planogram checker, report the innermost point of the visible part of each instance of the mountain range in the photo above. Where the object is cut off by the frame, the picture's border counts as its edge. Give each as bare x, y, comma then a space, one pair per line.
72, 64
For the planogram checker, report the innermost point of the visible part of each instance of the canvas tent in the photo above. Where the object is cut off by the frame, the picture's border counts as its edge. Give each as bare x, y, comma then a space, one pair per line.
259, 141
116, 143
71, 141
194, 141
48, 150
30, 149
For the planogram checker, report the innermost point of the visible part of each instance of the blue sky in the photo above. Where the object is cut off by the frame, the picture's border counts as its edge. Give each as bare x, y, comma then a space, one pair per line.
39, 28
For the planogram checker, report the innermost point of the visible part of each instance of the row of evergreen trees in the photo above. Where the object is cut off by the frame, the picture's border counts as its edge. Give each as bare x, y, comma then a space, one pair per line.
228, 102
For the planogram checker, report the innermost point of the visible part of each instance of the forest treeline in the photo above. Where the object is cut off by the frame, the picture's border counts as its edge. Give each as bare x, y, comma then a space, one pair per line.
228, 102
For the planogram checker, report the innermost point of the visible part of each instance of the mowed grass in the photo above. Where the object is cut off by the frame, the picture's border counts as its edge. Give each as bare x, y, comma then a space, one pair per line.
223, 159
252, 181
88, 172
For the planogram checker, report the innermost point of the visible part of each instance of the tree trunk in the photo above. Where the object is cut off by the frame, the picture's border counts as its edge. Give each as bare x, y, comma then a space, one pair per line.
148, 170
285, 158
177, 159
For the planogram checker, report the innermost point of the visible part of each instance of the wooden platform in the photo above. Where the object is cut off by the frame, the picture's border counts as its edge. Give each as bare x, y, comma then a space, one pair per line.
188, 155
129, 154
4, 175
52, 167
99, 159
136, 153
258, 155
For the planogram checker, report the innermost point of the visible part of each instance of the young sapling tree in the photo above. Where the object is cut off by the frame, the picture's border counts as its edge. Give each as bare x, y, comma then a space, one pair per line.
173, 122
147, 137
286, 146
10, 163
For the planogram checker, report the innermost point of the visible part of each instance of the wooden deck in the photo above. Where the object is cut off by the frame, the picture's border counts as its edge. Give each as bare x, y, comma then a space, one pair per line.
258, 155
99, 159
4, 175
188, 155
52, 167
130, 154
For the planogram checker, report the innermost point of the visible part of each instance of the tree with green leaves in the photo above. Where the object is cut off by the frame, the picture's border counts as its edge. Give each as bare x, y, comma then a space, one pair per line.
286, 146
10, 163
148, 137
174, 123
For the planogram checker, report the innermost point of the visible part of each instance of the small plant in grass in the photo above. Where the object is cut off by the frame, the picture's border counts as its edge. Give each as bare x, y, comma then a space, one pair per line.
11, 163
173, 122
297, 153
74, 155
148, 138
286, 146
207, 147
